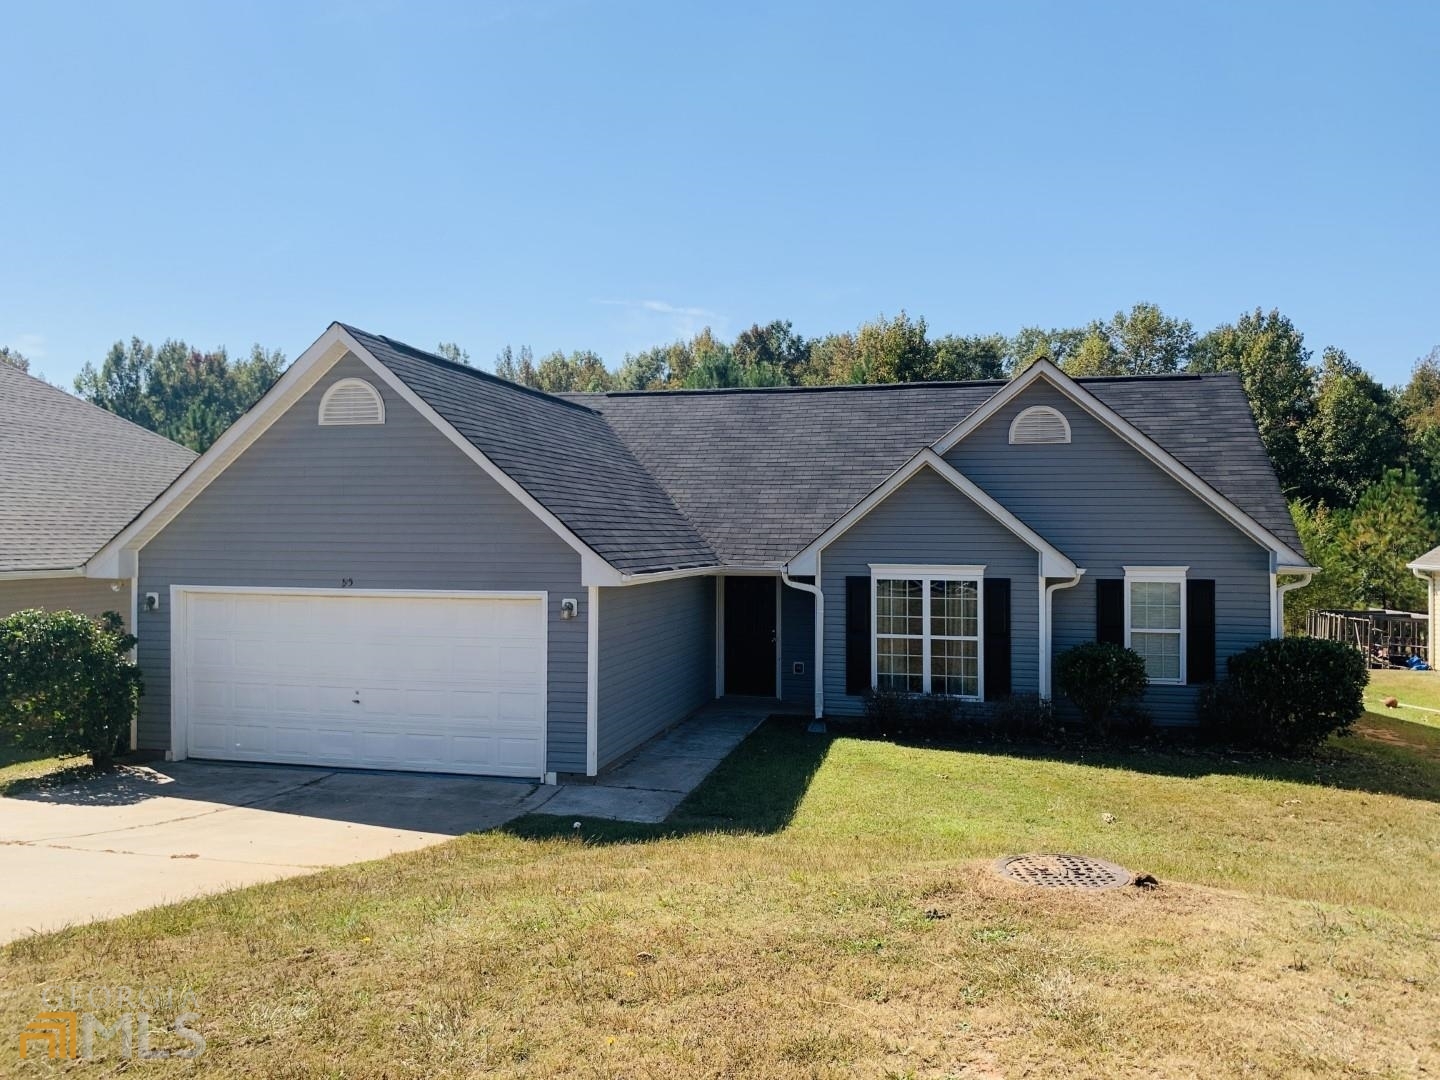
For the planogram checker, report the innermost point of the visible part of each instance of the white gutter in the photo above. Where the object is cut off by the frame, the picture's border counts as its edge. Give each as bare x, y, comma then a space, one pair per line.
813, 590
1281, 590
33, 575
1046, 627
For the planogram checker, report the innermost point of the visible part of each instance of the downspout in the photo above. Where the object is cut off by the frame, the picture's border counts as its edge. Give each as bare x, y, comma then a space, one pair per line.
813, 590
1281, 590
1047, 629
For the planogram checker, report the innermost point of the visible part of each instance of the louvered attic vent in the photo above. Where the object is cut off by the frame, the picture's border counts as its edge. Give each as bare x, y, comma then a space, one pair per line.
1039, 424
351, 401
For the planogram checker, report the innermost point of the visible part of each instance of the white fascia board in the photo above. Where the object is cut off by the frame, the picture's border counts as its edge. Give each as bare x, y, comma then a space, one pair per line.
594, 569
36, 575
304, 373
110, 561
1054, 562
1157, 454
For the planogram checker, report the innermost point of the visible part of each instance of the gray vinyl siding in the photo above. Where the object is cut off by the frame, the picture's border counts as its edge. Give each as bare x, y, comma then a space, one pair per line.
927, 521
85, 595
393, 506
1105, 506
797, 644
657, 659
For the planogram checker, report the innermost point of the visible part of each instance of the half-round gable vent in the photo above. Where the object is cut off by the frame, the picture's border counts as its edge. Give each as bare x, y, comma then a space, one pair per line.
1039, 424
352, 401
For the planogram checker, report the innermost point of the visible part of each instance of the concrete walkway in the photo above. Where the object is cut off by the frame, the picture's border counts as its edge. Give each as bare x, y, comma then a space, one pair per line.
649, 784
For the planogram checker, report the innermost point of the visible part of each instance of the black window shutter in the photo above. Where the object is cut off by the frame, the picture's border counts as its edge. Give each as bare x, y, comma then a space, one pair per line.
1110, 610
1199, 630
857, 635
997, 638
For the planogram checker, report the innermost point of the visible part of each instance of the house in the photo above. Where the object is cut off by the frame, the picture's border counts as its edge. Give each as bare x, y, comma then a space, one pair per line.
395, 561
1427, 569
71, 477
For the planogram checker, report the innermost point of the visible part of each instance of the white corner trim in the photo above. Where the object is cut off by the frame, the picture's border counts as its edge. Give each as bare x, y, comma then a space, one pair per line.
1054, 562
592, 680
1157, 454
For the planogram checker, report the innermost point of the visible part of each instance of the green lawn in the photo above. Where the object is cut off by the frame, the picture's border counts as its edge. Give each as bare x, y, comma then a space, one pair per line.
1410, 688
824, 906
29, 765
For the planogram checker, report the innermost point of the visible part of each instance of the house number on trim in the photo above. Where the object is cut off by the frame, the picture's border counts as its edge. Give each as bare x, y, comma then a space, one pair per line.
346, 582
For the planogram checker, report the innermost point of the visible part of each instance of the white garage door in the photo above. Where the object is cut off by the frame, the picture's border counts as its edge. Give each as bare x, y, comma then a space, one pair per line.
438, 682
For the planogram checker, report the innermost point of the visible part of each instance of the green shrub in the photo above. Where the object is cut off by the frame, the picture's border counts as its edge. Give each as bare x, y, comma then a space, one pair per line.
1101, 679
894, 712
1024, 716
67, 685
1287, 695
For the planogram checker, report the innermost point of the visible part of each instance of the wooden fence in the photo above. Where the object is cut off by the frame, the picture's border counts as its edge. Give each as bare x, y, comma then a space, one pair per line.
1387, 638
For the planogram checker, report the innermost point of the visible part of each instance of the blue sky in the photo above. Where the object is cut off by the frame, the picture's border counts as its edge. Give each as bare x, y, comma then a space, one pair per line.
611, 176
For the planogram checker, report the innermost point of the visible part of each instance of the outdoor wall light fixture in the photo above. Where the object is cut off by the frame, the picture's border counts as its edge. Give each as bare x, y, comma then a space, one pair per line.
569, 609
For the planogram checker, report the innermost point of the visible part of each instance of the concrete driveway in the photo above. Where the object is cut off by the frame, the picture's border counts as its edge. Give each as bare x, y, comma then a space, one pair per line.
151, 835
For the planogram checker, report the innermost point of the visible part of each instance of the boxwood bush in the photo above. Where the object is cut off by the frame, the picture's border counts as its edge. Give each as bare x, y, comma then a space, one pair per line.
1104, 681
67, 684
1287, 695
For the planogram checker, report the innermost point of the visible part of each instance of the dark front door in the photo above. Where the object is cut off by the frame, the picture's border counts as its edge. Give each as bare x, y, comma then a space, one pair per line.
750, 636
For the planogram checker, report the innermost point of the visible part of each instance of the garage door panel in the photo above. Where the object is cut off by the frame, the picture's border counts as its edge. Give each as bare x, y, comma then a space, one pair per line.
393, 681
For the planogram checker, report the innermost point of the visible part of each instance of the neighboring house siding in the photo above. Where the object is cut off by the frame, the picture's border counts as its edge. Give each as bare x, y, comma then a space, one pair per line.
85, 595
926, 521
797, 644
1105, 506
657, 659
395, 506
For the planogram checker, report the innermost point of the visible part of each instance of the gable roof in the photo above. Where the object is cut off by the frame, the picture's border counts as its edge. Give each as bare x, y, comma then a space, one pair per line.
761, 473
687, 481
71, 474
562, 453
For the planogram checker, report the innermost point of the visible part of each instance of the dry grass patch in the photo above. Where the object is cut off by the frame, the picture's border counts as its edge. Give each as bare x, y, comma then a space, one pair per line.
825, 907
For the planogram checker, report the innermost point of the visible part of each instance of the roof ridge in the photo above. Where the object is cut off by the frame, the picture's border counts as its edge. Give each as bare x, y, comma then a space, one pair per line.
944, 384
109, 413
466, 369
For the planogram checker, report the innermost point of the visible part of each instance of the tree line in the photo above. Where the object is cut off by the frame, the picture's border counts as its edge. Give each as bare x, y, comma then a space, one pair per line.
1359, 461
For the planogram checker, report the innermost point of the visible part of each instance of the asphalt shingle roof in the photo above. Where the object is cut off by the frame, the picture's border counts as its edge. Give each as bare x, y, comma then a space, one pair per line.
71, 475
761, 473
655, 481
562, 453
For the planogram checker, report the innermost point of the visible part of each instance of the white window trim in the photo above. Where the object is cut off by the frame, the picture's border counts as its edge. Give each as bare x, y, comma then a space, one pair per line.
1064, 422
925, 574
1172, 575
345, 384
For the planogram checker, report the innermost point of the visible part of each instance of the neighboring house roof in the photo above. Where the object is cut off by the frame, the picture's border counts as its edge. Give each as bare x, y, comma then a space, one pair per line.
71, 474
761, 473
1428, 562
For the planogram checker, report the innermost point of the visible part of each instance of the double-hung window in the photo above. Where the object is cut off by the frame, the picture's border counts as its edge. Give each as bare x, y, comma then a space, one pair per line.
1155, 619
927, 632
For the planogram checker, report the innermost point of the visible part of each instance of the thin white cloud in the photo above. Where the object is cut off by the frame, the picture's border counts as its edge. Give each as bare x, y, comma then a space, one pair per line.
660, 307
